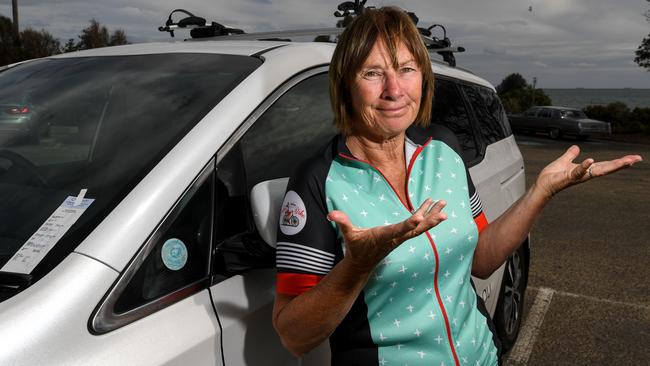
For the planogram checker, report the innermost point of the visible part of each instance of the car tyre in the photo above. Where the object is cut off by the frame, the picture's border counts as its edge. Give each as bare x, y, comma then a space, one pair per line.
510, 306
554, 133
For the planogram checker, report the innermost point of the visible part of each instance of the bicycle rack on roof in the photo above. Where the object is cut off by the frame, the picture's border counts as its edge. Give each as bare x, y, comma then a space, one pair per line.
202, 29
199, 27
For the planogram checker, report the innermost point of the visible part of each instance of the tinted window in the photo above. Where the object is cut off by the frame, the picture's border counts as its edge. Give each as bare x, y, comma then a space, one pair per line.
292, 129
449, 110
545, 113
96, 123
488, 111
180, 256
531, 112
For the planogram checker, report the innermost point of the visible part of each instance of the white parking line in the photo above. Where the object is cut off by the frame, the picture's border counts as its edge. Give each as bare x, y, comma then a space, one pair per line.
521, 351
528, 333
606, 301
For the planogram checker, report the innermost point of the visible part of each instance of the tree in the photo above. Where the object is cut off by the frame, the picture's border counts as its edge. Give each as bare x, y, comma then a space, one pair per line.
643, 52
7, 47
29, 44
96, 35
511, 82
35, 44
517, 96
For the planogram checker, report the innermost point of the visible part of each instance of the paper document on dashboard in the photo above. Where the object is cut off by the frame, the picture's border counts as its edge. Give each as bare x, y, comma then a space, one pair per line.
52, 230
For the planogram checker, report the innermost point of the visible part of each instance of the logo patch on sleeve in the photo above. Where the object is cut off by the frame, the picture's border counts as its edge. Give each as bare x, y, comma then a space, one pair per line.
294, 215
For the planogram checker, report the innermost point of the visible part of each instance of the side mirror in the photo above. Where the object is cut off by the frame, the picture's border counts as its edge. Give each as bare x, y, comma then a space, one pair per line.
266, 202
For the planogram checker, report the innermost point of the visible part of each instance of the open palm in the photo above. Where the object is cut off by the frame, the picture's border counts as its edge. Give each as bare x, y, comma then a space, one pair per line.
563, 172
367, 246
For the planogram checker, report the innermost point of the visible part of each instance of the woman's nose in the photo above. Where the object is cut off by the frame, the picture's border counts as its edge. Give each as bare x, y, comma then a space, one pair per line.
392, 88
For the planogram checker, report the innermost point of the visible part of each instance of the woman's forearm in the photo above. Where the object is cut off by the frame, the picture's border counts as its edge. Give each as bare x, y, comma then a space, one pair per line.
504, 235
305, 321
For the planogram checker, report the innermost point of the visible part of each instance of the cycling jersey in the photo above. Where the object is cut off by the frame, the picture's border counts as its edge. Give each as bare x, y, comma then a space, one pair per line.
419, 306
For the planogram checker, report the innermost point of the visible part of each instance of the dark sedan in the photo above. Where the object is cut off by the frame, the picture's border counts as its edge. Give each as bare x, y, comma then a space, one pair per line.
558, 121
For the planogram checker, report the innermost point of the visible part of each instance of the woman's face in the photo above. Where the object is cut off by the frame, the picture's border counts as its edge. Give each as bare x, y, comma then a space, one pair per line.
386, 100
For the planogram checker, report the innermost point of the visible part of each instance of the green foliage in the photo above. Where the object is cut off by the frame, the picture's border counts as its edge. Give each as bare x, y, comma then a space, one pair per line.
512, 82
37, 44
96, 35
28, 44
8, 49
517, 96
623, 119
643, 53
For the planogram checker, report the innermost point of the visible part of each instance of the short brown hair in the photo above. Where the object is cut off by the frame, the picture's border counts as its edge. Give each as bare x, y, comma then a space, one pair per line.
392, 25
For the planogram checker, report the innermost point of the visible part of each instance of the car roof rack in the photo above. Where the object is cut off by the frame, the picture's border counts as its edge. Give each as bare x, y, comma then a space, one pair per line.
200, 28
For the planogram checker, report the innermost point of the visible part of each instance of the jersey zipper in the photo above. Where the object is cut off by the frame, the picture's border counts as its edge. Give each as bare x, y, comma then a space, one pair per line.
409, 206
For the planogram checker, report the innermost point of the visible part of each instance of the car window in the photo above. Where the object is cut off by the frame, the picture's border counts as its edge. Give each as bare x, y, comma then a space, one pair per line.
298, 124
531, 112
449, 110
100, 124
489, 112
545, 113
293, 128
180, 253
574, 114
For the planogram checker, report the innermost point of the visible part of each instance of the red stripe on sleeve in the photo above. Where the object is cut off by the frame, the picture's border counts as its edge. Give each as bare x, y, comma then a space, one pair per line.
295, 283
481, 222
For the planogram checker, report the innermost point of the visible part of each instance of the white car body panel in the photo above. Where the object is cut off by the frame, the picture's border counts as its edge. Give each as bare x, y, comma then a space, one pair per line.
48, 324
118, 237
500, 181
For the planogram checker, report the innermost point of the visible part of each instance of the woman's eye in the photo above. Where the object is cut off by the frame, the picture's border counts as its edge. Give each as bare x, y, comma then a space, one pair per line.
372, 74
407, 69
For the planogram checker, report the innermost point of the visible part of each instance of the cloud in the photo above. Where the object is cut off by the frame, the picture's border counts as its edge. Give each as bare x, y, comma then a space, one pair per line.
578, 43
495, 50
583, 64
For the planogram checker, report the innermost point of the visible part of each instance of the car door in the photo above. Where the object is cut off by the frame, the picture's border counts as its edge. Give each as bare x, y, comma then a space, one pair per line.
159, 310
293, 124
499, 176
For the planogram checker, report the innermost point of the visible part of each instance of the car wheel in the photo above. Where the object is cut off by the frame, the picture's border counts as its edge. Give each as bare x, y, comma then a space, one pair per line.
554, 133
507, 318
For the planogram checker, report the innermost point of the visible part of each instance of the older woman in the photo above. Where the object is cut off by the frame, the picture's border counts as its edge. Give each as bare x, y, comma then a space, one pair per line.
363, 228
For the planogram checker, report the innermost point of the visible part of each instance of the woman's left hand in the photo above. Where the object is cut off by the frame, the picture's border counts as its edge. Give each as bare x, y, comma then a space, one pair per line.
563, 172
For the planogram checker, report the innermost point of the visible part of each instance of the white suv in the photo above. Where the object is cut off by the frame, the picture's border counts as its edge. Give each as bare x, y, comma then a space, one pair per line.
138, 226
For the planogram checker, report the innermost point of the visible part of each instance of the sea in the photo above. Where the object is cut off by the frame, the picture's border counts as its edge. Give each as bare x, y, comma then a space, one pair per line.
582, 97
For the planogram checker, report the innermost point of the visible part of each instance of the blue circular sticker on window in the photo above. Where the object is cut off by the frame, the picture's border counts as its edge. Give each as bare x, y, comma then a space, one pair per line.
174, 254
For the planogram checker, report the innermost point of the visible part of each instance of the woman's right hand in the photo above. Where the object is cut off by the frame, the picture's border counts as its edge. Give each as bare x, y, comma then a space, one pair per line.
365, 248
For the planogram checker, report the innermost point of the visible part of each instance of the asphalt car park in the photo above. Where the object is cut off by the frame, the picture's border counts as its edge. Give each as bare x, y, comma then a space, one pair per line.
588, 301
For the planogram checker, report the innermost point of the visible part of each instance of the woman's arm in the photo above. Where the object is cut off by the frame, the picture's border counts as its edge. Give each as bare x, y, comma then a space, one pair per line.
503, 236
306, 320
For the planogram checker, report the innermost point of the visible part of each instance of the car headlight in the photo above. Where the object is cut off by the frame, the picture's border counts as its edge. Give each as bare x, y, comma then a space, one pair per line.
580, 126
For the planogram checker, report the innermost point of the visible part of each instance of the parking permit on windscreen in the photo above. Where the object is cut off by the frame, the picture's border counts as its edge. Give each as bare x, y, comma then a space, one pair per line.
40, 243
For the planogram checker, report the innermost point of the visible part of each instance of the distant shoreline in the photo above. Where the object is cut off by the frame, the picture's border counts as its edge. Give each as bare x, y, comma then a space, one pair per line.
582, 97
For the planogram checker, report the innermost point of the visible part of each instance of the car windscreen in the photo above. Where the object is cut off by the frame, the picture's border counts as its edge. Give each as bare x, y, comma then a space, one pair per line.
100, 124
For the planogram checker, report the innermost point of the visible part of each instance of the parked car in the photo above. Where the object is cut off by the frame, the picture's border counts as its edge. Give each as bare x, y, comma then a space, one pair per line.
142, 231
19, 117
558, 121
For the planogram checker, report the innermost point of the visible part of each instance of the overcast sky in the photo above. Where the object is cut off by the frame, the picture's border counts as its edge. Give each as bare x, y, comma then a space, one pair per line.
564, 43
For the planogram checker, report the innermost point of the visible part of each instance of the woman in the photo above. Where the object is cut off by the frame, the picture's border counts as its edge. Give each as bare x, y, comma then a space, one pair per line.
364, 247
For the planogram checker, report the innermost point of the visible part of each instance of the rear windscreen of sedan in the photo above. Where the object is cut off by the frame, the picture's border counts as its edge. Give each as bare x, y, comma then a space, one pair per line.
100, 124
